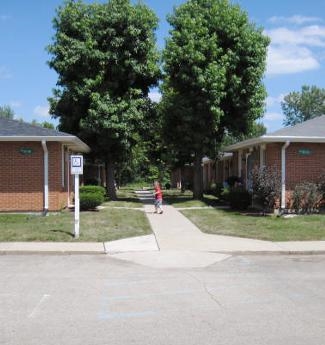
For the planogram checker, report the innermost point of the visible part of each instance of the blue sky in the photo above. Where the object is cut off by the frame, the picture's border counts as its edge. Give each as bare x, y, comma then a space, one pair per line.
296, 55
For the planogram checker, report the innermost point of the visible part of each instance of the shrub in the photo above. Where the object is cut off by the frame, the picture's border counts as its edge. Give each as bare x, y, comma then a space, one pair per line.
239, 198
307, 197
215, 189
266, 186
89, 201
92, 189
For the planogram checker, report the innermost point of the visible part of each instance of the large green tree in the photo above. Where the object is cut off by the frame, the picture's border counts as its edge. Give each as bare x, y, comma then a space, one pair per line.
213, 62
6, 112
106, 59
305, 105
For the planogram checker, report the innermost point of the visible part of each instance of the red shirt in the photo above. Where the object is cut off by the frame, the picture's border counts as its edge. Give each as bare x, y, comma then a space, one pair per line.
158, 193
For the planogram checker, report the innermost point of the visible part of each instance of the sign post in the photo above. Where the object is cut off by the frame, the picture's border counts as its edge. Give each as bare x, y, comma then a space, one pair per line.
76, 170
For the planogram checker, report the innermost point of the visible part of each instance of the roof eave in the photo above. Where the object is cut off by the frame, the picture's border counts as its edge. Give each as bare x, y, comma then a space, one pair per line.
71, 141
273, 139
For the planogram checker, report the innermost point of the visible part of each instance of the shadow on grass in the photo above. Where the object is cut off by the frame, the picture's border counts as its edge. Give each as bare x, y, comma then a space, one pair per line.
63, 232
129, 199
183, 199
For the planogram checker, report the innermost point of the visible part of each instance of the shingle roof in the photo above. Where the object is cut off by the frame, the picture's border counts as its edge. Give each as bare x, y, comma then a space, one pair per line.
312, 131
311, 128
14, 128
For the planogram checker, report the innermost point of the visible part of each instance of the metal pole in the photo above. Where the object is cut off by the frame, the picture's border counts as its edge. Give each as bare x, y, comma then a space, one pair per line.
76, 206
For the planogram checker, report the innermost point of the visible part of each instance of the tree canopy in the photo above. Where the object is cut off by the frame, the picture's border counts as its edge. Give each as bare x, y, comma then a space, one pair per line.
6, 112
214, 61
305, 105
106, 59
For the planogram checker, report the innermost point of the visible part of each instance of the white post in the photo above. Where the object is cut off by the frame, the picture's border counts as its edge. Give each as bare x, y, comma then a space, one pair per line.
76, 206
240, 152
283, 174
76, 170
246, 162
46, 177
262, 150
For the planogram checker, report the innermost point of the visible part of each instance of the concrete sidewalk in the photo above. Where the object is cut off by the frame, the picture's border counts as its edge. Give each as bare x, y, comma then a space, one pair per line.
174, 231
174, 237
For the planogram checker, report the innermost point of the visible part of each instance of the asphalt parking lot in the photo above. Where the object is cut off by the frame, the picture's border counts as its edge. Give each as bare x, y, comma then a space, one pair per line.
81, 299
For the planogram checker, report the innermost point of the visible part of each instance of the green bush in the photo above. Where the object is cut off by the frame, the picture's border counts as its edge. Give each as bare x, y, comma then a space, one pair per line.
89, 201
307, 197
266, 186
239, 198
215, 189
92, 189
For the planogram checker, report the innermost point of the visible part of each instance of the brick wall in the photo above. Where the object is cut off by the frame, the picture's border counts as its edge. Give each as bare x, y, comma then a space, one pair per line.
22, 177
299, 168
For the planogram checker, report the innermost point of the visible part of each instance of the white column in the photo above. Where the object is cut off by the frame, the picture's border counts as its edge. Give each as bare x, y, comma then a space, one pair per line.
46, 177
283, 175
262, 150
240, 152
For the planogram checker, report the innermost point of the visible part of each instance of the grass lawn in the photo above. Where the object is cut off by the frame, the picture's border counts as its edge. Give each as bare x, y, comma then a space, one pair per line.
180, 199
104, 225
126, 198
270, 228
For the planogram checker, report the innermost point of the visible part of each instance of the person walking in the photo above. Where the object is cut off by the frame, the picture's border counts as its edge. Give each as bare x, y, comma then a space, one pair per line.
158, 198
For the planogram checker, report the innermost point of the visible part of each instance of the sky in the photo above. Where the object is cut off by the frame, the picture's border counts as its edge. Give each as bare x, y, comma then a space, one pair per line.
296, 55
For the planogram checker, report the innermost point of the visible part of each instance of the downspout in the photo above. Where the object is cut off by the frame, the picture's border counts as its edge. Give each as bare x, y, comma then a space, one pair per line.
283, 175
46, 178
247, 155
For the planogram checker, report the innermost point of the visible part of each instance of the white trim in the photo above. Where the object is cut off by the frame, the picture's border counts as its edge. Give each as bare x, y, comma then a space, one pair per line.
283, 174
72, 141
274, 139
46, 177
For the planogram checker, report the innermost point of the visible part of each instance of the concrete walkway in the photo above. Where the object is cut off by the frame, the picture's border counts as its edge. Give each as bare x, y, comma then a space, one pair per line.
175, 242
179, 243
174, 231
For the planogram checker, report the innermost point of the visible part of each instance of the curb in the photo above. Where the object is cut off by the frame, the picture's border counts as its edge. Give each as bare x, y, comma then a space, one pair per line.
51, 248
270, 252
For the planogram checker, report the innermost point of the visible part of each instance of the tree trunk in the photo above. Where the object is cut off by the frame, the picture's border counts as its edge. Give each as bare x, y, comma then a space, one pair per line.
198, 178
110, 182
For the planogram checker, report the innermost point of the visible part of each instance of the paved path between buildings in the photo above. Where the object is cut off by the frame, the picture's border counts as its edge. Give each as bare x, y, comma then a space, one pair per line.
176, 242
182, 244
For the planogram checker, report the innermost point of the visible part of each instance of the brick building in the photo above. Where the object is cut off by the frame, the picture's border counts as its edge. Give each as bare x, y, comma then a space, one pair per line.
297, 152
34, 167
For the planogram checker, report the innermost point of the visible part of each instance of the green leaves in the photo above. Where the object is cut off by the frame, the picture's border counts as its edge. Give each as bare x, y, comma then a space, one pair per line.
106, 59
305, 105
214, 62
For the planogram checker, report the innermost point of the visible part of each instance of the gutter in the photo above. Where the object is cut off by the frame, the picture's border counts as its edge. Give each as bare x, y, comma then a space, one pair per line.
273, 139
247, 155
283, 174
46, 178
73, 142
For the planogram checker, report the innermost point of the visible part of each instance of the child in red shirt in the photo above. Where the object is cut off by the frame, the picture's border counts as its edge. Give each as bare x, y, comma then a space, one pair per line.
158, 198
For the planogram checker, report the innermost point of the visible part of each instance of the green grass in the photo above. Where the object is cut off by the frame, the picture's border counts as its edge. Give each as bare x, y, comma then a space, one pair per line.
126, 198
270, 228
180, 199
104, 225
